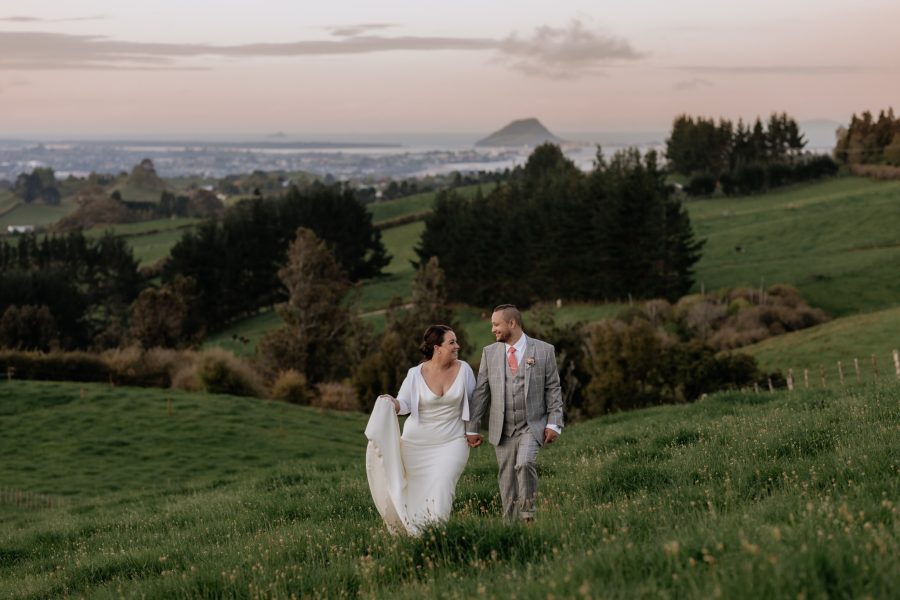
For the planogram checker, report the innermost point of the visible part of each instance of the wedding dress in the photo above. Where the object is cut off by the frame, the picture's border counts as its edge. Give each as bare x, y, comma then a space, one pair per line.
413, 478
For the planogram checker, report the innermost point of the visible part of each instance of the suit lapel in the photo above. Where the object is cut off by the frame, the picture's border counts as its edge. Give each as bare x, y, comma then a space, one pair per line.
500, 362
529, 354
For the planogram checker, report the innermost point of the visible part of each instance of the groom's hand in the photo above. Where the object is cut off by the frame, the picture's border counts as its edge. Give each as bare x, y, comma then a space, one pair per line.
474, 439
549, 436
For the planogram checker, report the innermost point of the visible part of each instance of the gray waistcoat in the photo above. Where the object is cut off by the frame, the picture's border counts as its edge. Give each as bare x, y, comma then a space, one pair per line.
514, 419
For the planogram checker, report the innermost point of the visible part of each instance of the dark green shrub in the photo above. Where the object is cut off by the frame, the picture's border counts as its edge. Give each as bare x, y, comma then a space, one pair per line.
701, 184
221, 372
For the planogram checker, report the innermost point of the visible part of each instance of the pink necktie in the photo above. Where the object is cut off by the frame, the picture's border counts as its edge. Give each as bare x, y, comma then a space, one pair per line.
511, 359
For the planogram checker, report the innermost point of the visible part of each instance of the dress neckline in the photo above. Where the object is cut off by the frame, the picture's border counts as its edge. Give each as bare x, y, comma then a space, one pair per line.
452, 385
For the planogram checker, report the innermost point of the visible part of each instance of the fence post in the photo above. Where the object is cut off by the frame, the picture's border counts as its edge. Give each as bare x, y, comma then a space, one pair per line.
806, 378
841, 372
875, 365
897, 363
822, 374
856, 366
755, 387
771, 389
790, 380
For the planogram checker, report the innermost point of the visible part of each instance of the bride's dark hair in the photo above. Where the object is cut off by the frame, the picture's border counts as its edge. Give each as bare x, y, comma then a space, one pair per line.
434, 336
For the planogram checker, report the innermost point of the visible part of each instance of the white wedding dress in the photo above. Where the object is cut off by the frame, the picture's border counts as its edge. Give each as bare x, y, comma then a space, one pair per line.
413, 478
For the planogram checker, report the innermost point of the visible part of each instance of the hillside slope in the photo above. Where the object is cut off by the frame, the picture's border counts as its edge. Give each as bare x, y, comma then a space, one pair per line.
739, 496
838, 241
858, 336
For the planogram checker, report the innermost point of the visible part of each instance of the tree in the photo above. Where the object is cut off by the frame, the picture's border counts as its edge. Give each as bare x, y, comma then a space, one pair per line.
29, 327
382, 370
163, 317
317, 321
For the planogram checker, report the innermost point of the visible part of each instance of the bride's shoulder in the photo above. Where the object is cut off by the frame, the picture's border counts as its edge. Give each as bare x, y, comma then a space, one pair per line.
464, 366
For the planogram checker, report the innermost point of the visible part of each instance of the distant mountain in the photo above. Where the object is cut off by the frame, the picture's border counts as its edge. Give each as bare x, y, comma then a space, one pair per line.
524, 132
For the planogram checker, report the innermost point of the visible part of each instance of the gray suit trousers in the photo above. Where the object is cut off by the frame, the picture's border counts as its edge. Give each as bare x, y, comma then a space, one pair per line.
517, 459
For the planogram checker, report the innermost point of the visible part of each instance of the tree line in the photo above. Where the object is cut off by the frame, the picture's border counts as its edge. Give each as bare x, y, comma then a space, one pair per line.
741, 158
554, 231
70, 291
870, 141
65, 291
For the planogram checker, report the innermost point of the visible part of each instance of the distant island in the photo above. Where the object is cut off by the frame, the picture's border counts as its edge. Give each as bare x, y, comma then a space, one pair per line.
523, 132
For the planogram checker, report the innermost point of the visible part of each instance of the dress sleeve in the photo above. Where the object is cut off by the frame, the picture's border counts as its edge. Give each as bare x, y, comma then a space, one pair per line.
470, 390
404, 396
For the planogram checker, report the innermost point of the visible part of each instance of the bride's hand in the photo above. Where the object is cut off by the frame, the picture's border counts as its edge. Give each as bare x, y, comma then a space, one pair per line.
393, 400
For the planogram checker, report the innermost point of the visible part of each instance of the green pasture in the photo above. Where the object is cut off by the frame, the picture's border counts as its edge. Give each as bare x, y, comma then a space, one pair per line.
775, 495
131, 193
150, 241
7, 201
34, 214
838, 241
398, 207
845, 339
251, 329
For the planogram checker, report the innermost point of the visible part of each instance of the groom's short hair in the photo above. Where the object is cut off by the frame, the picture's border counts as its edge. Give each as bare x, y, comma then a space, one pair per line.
510, 313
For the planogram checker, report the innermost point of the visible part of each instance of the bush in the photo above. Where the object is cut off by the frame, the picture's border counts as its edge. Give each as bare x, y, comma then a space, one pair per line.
187, 379
55, 366
291, 386
155, 367
701, 184
634, 366
336, 396
221, 372
749, 178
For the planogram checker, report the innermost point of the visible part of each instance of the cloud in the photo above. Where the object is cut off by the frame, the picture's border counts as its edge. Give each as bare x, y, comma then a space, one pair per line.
692, 84
355, 30
556, 53
565, 53
30, 50
772, 70
24, 19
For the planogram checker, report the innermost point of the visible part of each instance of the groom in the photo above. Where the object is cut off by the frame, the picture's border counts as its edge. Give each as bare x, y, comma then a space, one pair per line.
519, 379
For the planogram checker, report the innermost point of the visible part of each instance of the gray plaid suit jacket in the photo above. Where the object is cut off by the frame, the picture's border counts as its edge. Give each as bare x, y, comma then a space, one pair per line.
543, 396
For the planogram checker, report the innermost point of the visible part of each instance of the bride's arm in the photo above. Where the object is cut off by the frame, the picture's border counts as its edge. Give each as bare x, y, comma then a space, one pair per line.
404, 396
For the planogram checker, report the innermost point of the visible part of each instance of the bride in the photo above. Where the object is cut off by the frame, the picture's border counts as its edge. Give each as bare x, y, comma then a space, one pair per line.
413, 477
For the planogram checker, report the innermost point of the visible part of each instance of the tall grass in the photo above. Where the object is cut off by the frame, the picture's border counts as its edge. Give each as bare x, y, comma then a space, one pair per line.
739, 496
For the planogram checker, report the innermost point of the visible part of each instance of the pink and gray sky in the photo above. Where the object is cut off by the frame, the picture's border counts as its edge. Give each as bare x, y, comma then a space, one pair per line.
218, 67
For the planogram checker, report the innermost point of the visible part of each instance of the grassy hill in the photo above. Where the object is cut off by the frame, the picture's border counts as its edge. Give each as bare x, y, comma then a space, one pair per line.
150, 240
391, 209
739, 496
843, 339
838, 241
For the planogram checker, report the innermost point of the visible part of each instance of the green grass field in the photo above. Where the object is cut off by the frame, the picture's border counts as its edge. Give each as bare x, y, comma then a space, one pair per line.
739, 496
844, 339
838, 241
391, 209
252, 329
34, 214
151, 241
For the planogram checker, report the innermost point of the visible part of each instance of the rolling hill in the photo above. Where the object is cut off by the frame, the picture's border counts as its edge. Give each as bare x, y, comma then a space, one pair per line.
742, 495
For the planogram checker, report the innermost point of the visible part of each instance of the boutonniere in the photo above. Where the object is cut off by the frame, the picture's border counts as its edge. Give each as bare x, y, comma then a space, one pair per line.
529, 361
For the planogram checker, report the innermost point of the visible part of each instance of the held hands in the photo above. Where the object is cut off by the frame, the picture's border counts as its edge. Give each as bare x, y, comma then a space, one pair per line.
549, 436
474, 439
